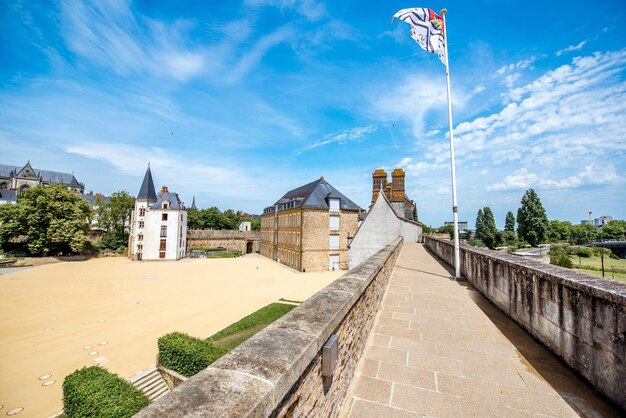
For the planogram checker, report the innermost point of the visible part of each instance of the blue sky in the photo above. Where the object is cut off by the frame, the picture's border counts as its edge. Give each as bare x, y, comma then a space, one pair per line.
239, 101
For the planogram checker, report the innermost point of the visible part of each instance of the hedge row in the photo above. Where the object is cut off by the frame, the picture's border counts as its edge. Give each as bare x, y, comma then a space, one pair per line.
95, 392
185, 354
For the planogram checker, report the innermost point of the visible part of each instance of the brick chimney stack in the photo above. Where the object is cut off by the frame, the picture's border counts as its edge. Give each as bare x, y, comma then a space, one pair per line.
379, 182
397, 185
163, 189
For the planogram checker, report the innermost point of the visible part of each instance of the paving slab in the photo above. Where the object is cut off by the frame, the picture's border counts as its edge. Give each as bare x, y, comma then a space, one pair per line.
438, 348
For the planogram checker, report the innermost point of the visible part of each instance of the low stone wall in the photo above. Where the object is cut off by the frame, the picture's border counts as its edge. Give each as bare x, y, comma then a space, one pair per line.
277, 372
580, 318
171, 378
231, 240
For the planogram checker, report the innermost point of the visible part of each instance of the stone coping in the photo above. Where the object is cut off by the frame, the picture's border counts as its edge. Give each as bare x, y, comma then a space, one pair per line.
610, 290
254, 378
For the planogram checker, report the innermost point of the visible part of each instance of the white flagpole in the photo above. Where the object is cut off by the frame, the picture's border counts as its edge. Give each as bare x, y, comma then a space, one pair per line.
457, 251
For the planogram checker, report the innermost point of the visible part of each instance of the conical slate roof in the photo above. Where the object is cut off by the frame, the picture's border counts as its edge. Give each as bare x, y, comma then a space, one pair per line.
147, 192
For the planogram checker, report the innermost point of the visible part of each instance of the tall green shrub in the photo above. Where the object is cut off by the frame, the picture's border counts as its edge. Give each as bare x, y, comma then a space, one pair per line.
560, 257
185, 354
95, 392
532, 221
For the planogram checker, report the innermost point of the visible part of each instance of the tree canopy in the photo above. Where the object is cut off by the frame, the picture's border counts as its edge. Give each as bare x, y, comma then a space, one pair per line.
486, 230
112, 216
532, 221
559, 230
213, 218
583, 234
48, 220
616, 229
509, 222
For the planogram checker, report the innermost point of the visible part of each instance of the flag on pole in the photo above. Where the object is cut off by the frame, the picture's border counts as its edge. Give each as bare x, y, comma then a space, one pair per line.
426, 29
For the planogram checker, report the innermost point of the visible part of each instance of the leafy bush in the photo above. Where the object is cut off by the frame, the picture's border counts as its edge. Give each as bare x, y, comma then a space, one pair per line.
585, 252
95, 392
185, 354
560, 257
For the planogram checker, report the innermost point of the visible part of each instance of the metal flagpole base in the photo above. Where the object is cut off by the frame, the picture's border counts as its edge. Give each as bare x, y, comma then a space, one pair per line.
458, 279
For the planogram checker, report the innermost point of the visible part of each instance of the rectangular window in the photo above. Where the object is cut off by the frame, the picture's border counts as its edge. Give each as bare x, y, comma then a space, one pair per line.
140, 237
140, 224
334, 222
162, 254
164, 230
334, 242
182, 217
334, 204
163, 245
142, 212
164, 217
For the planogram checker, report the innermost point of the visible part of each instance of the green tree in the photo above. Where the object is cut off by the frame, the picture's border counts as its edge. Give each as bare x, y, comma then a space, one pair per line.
583, 234
112, 217
447, 229
480, 225
510, 239
50, 219
509, 222
194, 219
615, 229
558, 230
532, 221
486, 229
255, 224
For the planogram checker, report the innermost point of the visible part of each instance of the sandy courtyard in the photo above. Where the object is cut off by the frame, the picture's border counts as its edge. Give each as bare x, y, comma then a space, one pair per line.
57, 318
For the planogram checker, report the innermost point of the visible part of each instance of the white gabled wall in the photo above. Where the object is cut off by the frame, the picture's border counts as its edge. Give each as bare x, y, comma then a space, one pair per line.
380, 228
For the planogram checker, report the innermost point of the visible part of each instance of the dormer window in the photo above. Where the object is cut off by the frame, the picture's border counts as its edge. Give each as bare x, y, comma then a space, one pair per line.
164, 205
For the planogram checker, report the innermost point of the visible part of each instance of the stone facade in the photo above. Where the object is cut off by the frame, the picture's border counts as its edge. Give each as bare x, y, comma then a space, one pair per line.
310, 237
20, 179
581, 318
277, 372
245, 242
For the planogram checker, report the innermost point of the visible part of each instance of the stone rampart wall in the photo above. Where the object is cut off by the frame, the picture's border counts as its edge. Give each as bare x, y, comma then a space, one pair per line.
231, 240
580, 318
277, 372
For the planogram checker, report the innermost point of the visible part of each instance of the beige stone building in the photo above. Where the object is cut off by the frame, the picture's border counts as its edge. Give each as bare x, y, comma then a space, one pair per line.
308, 229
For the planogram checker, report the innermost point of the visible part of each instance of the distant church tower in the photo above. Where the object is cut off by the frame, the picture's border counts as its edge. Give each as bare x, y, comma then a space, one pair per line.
394, 191
158, 224
193, 203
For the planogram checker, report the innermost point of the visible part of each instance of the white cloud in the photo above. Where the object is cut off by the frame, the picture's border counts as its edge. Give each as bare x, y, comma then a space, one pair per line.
109, 34
347, 135
413, 98
520, 65
590, 175
311, 9
510, 79
571, 48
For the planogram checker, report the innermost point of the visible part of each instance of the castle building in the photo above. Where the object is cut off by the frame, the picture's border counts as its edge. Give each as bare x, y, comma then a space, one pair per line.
394, 192
20, 179
309, 227
158, 224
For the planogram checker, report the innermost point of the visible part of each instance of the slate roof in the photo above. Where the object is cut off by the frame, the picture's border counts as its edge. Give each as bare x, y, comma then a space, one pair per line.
314, 195
146, 192
8, 196
46, 175
172, 198
91, 198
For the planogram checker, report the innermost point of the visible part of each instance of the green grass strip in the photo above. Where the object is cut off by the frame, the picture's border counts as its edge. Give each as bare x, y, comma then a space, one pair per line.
235, 334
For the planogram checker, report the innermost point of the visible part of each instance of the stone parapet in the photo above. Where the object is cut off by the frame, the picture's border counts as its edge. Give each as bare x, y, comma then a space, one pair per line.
581, 318
199, 234
278, 371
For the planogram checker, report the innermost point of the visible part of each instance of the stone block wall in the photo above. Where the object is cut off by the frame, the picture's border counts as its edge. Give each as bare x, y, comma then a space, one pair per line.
231, 240
277, 372
581, 318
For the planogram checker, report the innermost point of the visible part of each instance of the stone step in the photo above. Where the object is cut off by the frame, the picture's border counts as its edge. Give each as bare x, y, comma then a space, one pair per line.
151, 383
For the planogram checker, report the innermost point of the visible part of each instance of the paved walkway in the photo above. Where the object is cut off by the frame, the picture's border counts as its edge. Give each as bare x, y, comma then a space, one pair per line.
439, 349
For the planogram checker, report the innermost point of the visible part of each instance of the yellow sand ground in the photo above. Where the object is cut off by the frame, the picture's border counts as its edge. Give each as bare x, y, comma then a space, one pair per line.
57, 318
